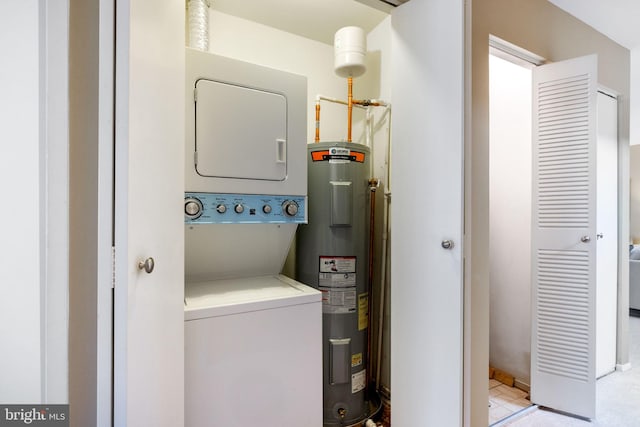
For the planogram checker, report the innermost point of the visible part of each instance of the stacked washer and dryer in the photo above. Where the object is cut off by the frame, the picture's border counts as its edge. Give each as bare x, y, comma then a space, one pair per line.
253, 337
261, 348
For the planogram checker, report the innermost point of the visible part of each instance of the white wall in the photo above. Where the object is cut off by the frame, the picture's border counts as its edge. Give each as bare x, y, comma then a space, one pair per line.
55, 189
379, 50
33, 180
259, 44
634, 141
634, 138
634, 103
510, 218
20, 186
635, 193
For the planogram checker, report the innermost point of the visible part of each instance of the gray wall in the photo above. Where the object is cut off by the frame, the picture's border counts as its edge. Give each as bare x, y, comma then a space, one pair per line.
541, 28
83, 210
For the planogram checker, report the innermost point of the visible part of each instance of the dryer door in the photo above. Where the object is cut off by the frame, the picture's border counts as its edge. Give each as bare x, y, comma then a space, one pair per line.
241, 132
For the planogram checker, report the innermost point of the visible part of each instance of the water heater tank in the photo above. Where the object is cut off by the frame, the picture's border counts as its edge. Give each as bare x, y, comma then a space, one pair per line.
332, 256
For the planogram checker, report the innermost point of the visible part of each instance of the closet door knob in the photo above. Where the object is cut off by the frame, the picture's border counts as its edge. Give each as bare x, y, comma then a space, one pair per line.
147, 265
585, 239
447, 244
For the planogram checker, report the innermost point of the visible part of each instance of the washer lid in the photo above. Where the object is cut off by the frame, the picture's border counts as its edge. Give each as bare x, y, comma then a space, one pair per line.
232, 296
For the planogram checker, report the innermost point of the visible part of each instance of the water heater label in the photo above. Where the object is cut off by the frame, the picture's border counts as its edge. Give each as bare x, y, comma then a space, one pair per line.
337, 282
358, 381
338, 155
363, 311
338, 264
338, 300
356, 360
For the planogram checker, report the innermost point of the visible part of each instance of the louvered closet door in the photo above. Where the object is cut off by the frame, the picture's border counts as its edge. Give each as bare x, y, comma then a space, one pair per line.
564, 236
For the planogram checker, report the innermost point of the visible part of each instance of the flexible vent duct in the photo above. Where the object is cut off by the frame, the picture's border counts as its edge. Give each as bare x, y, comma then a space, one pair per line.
199, 24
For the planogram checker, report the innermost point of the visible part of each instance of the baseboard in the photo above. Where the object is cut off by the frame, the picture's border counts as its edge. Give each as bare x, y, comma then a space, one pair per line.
624, 367
522, 385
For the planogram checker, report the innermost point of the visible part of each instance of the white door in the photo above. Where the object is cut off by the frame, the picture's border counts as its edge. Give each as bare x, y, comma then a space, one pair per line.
607, 247
564, 236
149, 188
426, 212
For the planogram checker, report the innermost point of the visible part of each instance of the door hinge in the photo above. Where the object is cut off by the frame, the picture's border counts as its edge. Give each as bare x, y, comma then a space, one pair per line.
195, 95
113, 267
195, 158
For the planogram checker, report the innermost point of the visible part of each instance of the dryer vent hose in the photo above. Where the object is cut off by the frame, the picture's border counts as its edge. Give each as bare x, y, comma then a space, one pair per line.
198, 11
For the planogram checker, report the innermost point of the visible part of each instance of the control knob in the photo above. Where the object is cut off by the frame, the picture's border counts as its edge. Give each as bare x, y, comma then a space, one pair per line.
239, 208
221, 208
266, 209
192, 208
290, 208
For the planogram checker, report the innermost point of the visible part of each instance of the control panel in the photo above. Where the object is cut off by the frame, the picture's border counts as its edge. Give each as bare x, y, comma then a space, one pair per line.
221, 208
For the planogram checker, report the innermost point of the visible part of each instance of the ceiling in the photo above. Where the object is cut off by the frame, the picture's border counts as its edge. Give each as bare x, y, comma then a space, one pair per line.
315, 19
617, 19
320, 19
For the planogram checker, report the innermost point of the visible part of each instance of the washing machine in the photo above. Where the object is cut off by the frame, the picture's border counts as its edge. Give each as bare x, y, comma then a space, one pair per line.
253, 347
253, 353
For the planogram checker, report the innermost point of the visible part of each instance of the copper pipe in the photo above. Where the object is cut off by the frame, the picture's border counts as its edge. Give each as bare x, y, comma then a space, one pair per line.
317, 121
363, 103
339, 101
373, 186
349, 107
367, 103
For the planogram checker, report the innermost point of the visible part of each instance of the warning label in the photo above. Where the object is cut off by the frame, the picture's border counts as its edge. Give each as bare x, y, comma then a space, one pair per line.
363, 311
356, 360
337, 282
358, 381
338, 264
338, 301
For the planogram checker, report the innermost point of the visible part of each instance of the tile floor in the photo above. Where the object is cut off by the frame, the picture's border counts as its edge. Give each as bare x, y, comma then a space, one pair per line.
504, 401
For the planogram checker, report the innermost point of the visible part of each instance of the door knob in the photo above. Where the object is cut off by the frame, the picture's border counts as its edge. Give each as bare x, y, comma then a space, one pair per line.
585, 239
447, 244
147, 265
600, 235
